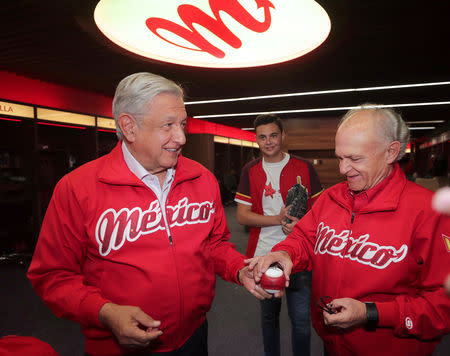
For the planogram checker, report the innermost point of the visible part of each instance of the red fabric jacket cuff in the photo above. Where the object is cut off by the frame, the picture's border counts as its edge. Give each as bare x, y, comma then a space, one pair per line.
287, 249
388, 314
238, 267
90, 309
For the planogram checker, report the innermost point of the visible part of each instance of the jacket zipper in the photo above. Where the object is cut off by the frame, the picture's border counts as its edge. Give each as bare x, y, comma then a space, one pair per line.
169, 235
164, 214
340, 266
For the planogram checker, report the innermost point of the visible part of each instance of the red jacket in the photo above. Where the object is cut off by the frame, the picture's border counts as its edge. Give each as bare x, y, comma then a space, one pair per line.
104, 239
392, 252
253, 180
15, 345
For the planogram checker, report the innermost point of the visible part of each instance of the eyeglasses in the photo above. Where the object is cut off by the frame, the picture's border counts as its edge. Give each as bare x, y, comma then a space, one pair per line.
323, 302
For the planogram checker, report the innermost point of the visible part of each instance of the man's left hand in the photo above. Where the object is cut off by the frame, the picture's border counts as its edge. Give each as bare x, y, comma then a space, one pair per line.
246, 278
349, 313
287, 228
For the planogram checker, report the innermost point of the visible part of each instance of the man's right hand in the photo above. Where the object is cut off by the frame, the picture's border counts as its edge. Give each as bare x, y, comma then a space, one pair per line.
259, 265
247, 279
130, 325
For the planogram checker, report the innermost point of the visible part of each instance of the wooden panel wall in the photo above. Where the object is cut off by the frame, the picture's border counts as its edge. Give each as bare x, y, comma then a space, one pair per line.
313, 139
327, 169
311, 133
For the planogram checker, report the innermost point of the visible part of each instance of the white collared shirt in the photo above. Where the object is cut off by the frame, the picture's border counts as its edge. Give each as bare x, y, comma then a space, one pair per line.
150, 180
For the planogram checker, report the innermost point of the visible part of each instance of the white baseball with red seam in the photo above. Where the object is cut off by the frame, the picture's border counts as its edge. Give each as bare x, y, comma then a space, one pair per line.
273, 280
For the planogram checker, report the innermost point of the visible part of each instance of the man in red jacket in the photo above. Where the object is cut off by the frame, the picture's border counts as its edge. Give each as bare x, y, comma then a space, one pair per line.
131, 242
376, 246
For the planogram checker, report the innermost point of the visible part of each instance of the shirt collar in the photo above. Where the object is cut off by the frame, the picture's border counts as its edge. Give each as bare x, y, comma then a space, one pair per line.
279, 163
363, 198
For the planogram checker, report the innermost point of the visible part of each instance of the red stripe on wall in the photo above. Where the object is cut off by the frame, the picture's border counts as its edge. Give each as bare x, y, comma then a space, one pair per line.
36, 92
61, 125
32, 91
197, 126
16, 120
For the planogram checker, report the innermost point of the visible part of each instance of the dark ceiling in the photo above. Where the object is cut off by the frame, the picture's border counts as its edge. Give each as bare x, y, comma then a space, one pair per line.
371, 43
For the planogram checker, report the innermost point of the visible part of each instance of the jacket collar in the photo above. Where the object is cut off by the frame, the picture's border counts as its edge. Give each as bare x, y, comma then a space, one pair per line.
115, 170
386, 197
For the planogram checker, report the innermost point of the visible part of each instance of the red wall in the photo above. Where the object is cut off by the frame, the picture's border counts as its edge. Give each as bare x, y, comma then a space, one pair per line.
32, 91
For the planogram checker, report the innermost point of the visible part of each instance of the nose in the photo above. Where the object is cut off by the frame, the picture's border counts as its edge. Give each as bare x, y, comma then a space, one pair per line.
344, 167
179, 136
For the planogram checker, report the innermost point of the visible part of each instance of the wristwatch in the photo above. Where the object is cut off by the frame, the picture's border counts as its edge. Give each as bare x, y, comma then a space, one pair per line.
372, 316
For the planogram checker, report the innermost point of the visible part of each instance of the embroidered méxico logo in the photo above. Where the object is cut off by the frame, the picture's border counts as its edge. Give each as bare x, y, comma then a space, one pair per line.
114, 228
215, 33
358, 249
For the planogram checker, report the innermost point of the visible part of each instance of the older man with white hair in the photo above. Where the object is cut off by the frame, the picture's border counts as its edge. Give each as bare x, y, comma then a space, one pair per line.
376, 246
131, 242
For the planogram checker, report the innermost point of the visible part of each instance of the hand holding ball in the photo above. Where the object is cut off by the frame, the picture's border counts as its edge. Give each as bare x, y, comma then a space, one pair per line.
273, 280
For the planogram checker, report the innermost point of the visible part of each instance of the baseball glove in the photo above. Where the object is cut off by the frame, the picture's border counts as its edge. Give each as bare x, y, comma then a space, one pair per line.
297, 198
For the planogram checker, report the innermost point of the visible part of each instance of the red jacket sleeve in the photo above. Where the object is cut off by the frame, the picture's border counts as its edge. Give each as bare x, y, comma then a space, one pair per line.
56, 268
227, 260
243, 195
425, 314
299, 244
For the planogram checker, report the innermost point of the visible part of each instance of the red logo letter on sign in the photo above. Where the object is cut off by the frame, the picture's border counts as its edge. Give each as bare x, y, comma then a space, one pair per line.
215, 33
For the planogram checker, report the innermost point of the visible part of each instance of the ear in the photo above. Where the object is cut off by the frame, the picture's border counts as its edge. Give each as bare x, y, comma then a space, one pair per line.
393, 150
128, 126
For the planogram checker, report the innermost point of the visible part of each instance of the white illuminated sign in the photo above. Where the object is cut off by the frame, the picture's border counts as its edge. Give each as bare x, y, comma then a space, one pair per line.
215, 33
16, 109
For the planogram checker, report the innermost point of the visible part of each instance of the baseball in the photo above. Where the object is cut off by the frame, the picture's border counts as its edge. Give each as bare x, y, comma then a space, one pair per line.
273, 280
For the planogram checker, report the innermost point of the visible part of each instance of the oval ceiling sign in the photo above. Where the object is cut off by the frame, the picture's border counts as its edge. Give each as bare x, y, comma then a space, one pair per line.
215, 33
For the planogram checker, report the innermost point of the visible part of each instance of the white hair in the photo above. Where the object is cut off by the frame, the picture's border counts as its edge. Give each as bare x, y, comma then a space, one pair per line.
389, 123
135, 93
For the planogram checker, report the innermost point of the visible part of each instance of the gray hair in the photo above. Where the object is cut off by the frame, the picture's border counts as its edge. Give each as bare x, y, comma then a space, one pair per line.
136, 91
390, 124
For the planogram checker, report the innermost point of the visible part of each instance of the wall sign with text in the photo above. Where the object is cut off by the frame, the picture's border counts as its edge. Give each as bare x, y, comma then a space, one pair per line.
7, 108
